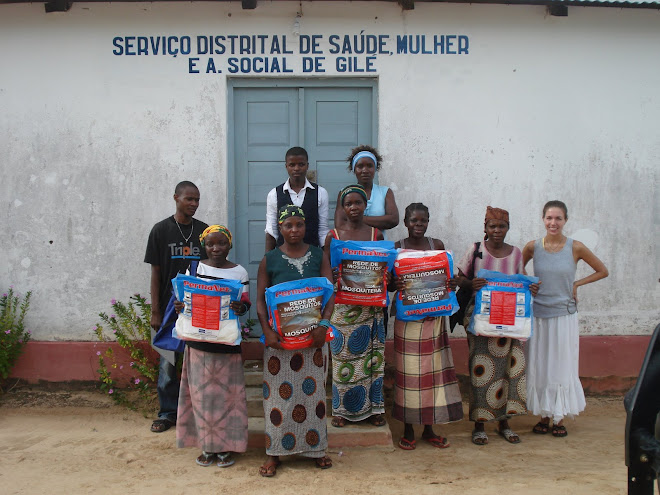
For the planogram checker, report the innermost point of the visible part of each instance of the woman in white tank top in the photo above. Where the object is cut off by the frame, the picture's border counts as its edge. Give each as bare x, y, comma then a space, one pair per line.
553, 382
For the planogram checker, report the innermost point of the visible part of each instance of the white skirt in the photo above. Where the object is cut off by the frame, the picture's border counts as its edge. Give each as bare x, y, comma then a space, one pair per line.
553, 381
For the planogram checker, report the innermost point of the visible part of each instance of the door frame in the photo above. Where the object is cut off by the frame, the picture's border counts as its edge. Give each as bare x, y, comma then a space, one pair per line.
300, 82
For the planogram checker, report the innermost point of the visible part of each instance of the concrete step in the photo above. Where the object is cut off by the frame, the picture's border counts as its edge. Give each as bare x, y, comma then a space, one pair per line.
255, 402
253, 371
361, 434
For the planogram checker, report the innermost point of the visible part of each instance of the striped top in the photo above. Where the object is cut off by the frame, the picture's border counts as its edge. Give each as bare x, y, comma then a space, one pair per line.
508, 265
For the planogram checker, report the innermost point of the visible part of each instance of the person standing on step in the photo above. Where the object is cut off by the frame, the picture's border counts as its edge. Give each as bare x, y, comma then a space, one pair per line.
294, 380
298, 191
358, 349
173, 244
381, 212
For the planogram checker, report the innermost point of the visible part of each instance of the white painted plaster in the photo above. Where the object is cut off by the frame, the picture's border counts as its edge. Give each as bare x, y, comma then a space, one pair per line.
541, 108
588, 237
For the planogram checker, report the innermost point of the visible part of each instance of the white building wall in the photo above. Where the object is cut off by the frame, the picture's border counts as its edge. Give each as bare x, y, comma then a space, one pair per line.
540, 108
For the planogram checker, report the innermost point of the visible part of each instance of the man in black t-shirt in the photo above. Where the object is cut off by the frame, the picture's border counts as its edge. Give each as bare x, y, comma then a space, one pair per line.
173, 244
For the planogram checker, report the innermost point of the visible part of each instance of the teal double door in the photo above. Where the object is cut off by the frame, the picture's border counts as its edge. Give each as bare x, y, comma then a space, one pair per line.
325, 118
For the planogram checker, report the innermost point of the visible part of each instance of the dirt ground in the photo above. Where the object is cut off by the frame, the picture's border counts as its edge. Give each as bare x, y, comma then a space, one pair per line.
80, 442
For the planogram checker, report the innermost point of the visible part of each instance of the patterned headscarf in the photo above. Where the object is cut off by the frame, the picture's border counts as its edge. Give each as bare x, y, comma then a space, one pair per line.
353, 188
496, 214
213, 229
288, 211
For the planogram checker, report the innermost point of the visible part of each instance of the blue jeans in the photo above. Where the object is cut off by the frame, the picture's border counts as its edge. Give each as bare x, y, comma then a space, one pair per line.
168, 390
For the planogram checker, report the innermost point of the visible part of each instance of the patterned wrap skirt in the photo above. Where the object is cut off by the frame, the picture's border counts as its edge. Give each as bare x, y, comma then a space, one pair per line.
294, 401
358, 362
497, 375
212, 412
426, 388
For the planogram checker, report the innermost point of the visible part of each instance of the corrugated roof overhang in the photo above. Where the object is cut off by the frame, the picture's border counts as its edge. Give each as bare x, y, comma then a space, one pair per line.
553, 5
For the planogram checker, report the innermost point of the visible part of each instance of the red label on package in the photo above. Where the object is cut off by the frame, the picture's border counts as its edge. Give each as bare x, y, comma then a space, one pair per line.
502, 308
205, 311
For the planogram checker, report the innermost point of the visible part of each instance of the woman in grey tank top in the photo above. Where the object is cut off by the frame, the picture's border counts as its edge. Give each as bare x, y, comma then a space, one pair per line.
553, 383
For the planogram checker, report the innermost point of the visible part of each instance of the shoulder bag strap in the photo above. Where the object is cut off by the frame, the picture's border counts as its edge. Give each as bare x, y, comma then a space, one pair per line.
477, 245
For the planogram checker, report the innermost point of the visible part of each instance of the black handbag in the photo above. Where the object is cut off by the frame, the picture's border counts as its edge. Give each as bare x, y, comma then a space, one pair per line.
464, 296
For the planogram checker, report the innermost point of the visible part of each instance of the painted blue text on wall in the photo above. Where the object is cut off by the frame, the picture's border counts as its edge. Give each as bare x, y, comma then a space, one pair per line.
273, 53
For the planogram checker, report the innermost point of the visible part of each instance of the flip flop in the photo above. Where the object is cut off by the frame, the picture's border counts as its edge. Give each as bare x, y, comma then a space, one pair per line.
225, 459
479, 437
269, 469
206, 459
161, 424
406, 444
438, 442
509, 435
323, 462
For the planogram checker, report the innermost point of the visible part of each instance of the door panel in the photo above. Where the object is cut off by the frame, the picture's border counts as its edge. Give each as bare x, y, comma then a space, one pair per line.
265, 126
267, 122
336, 120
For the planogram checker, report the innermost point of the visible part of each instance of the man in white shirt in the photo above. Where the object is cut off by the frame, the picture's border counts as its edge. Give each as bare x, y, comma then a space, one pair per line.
298, 191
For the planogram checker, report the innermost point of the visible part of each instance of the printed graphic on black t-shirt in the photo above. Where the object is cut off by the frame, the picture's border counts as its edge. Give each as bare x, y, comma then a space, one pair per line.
168, 249
181, 251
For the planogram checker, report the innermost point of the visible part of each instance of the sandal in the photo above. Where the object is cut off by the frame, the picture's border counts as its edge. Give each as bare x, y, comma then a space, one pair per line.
269, 468
559, 431
406, 444
479, 437
206, 459
225, 459
338, 422
541, 428
377, 420
161, 424
440, 442
323, 462
509, 435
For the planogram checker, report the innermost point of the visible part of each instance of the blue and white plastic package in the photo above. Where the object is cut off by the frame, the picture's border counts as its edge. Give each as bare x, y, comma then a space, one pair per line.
295, 309
426, 275
503, 307
363, 267
207, 315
